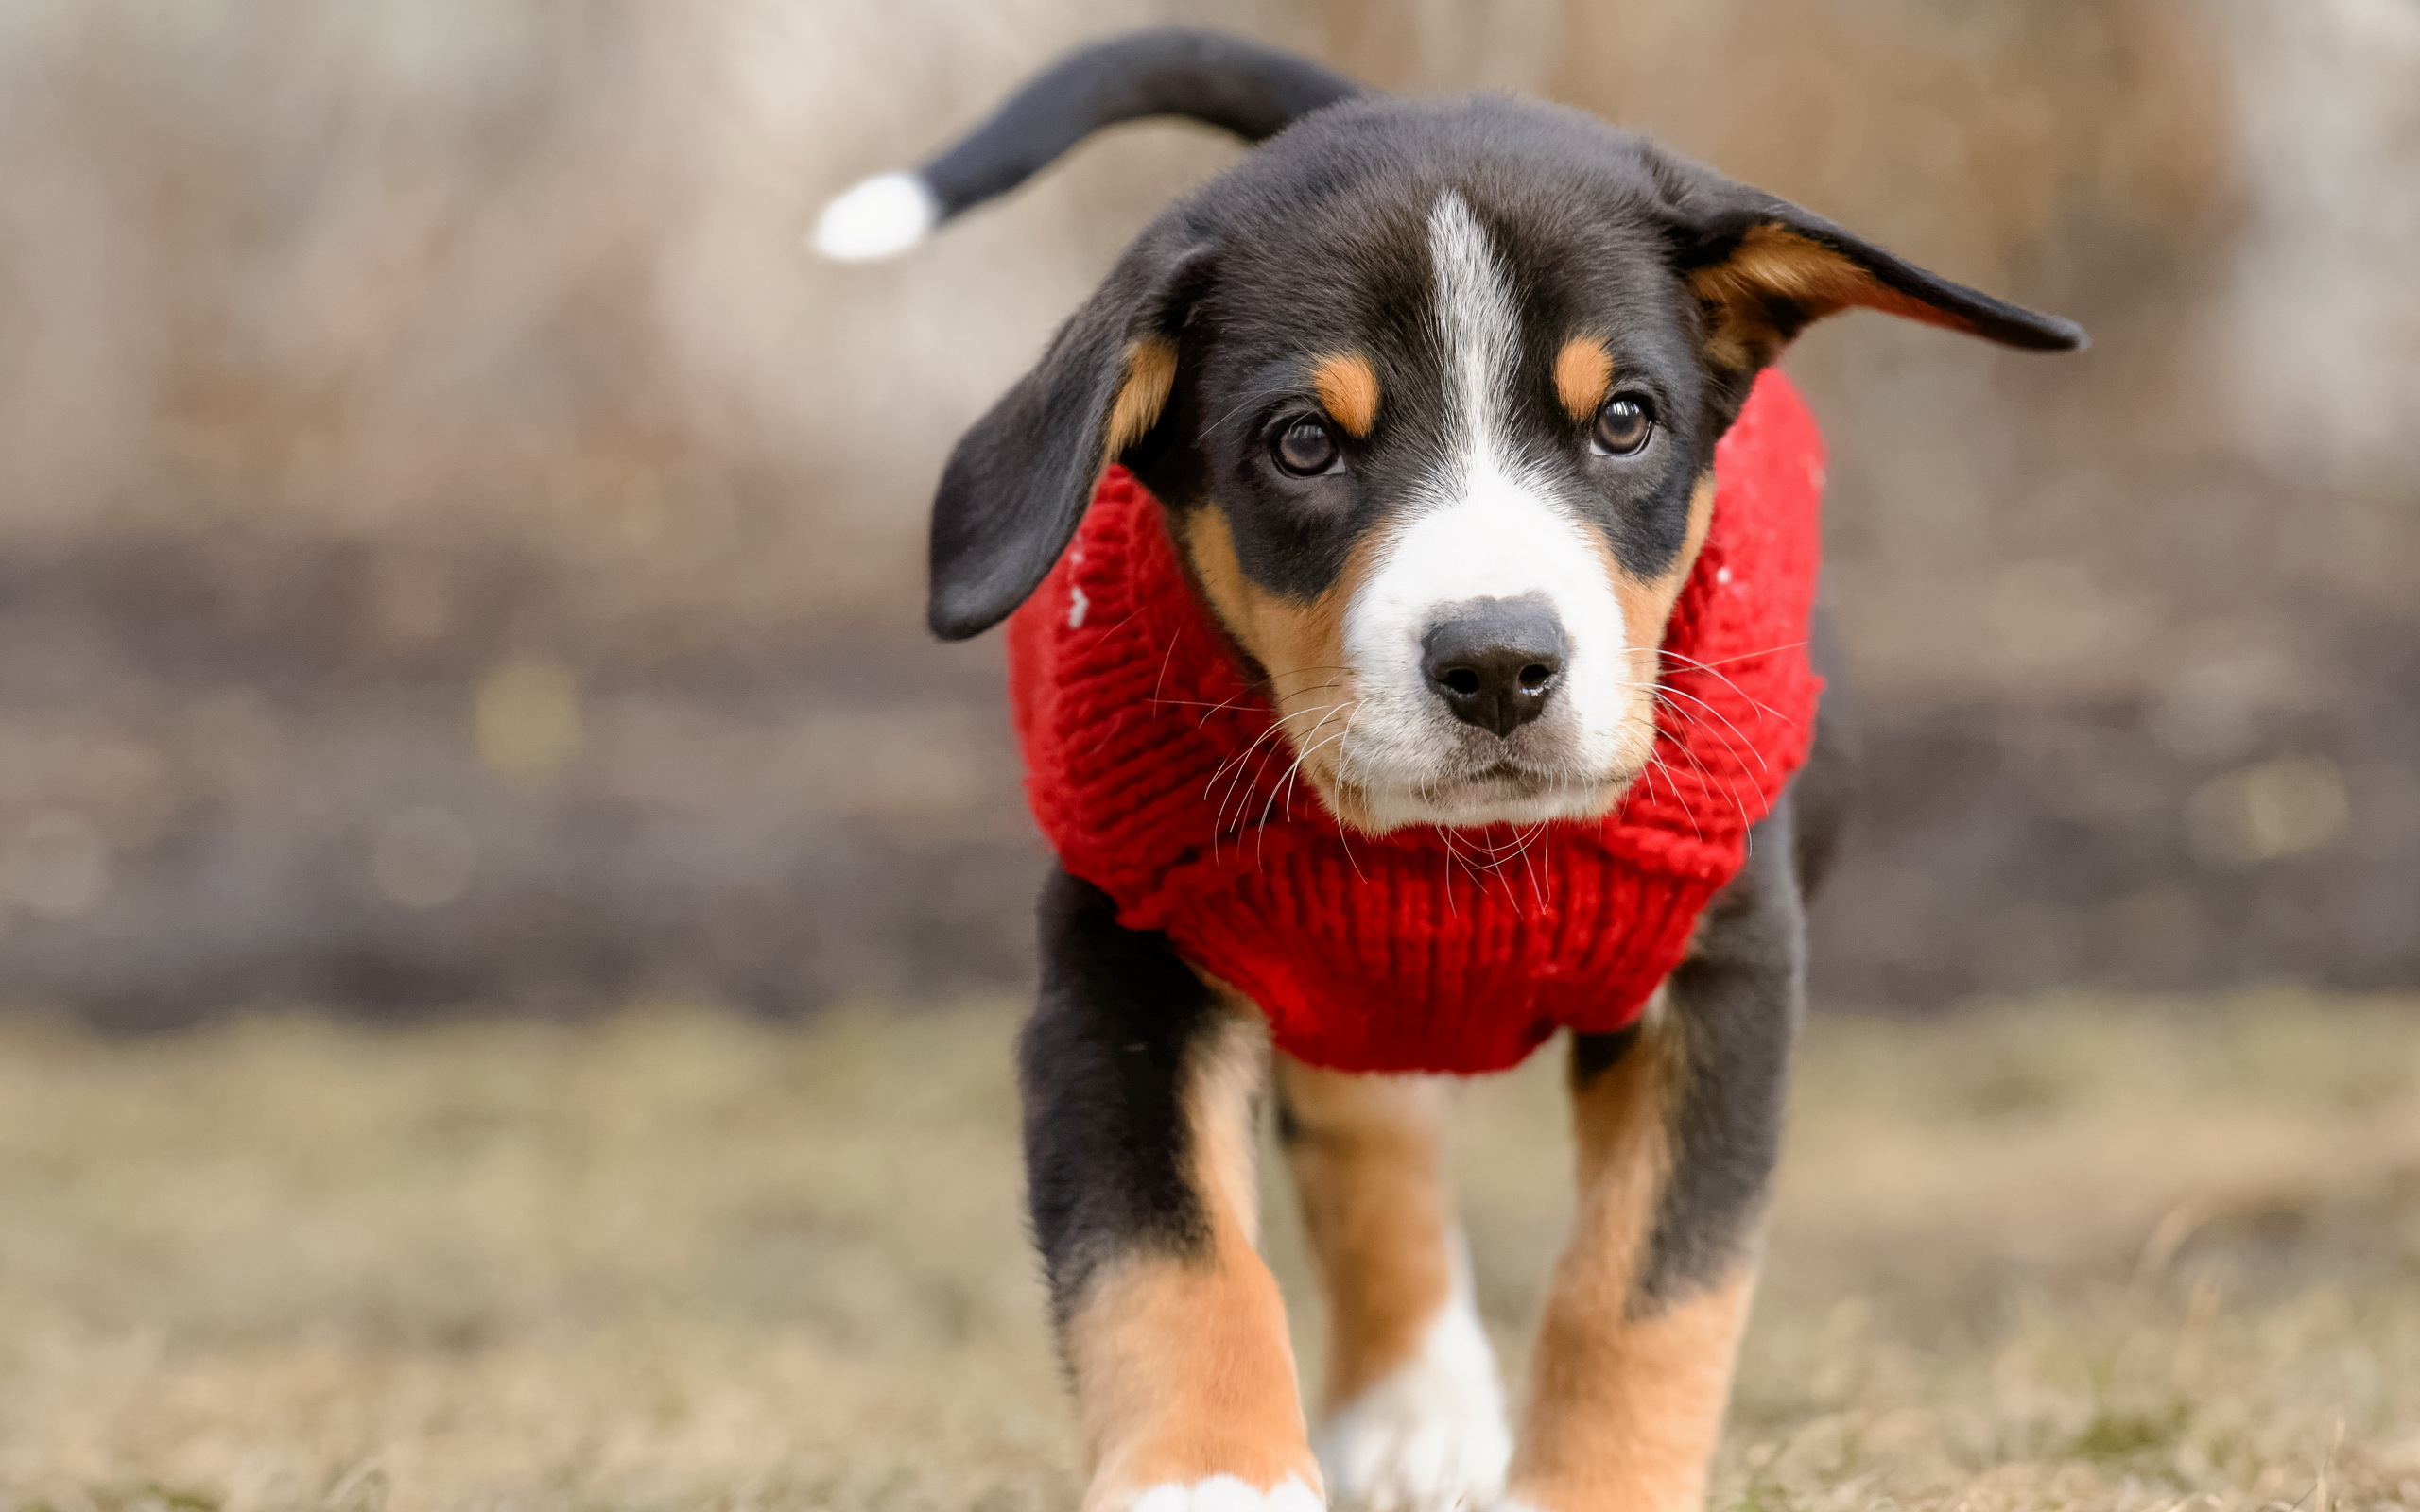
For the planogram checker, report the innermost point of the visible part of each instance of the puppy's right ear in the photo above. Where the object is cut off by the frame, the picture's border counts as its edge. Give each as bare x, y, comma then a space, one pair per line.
1019, 482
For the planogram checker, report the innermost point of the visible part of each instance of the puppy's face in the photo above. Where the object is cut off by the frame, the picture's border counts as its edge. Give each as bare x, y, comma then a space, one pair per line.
1447, 475
1431, 393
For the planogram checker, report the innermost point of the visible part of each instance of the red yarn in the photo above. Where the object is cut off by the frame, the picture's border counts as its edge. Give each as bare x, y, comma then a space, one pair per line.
1154, 771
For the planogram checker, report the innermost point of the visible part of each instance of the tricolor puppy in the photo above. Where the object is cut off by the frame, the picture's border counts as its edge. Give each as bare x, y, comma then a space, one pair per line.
1405, 677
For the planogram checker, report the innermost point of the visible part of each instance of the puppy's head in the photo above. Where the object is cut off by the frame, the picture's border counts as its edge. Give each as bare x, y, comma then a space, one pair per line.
1431, 393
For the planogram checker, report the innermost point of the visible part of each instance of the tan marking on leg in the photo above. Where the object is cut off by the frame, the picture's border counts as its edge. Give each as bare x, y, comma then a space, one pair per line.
1368, 1155
1183, 1372
1630, 1422
1348, 390
1298, 646
1222, 1089
1625, 1407
1583, 370
1182, 1367
1150, 372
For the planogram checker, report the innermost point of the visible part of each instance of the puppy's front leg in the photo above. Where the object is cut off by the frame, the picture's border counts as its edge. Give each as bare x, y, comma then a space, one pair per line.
1139, 1089
1679, 1124
1414, 1418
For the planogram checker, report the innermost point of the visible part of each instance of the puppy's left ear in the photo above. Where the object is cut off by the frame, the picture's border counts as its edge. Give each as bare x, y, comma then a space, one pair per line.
1764, 269
1019, 482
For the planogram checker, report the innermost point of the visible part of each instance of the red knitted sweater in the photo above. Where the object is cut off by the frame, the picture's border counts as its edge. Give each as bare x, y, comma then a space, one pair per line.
1152, 770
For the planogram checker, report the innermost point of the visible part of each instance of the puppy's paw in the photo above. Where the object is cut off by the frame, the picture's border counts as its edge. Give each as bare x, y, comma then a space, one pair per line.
1428, 1437
1226, 1493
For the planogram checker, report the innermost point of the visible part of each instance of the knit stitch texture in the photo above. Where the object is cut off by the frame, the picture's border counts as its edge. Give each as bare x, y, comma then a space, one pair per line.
1155, 771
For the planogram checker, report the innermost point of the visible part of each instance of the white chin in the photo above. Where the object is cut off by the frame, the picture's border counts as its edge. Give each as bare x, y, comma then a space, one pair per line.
1477, 803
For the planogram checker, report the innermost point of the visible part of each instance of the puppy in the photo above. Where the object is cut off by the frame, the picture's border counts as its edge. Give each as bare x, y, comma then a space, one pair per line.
1416, 568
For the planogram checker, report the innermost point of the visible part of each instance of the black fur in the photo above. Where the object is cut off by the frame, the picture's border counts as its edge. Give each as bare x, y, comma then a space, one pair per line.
1735, 1006
1102, 1063
1223, 81
1593, 1054
1018, 482
1826, 789
1733, 1009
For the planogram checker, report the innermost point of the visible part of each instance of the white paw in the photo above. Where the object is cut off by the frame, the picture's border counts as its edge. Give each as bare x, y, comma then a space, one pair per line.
1429, 1437
1225, 1493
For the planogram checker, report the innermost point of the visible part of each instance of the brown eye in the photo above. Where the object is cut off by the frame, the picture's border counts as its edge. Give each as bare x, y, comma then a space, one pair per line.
1304, 448
1624, 425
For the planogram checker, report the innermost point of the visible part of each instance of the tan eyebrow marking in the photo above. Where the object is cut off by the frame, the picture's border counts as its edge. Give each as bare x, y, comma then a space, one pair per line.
1584, 370
1348, 389
1151, 372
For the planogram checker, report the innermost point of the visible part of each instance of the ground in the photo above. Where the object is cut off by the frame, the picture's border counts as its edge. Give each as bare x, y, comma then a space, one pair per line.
2059, 1254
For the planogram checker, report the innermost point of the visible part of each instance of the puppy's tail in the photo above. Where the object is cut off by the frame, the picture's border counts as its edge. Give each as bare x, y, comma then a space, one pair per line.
1252, 90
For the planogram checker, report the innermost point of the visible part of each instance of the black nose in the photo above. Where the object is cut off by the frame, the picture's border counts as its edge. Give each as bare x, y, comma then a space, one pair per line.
1496, 660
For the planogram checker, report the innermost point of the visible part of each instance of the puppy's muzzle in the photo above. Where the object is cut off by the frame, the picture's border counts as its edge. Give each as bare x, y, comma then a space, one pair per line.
1495, 662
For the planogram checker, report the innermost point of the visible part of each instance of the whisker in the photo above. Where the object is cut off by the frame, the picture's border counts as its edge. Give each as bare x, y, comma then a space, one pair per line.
1344, 837
1731, 791
1278, 727
1662, 690
1285, 783
1236, 764
1352, 710
1691, 664
1741, 656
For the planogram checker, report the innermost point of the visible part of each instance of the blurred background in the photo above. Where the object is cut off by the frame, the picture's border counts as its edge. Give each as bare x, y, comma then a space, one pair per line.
456, 548
462, 563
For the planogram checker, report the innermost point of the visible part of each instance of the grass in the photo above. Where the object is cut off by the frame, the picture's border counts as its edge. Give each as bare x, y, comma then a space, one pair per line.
2069, 1254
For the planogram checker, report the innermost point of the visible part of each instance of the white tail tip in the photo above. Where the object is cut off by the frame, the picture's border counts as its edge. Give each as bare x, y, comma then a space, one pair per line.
881, 217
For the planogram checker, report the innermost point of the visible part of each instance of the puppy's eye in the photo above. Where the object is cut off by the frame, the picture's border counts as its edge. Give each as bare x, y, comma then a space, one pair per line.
1624, 425
1304, 448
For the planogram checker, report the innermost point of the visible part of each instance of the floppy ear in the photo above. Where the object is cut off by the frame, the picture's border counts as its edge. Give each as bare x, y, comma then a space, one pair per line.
1019, 481
1763, 269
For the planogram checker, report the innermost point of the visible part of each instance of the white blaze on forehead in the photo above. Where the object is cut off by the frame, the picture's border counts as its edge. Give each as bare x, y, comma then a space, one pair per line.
1485, 524
1476, 326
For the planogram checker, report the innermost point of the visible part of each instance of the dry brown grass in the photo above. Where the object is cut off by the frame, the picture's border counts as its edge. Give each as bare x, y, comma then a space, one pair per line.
2073, 1254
